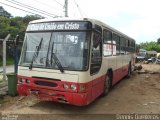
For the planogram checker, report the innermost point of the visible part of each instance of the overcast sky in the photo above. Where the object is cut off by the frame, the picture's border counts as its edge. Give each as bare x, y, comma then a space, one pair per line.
139, 19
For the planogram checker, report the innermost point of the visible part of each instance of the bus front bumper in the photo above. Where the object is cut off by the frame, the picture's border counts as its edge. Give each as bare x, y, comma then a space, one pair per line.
78, 99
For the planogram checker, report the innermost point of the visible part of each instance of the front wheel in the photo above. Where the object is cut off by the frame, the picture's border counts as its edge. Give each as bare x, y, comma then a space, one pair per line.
107, 85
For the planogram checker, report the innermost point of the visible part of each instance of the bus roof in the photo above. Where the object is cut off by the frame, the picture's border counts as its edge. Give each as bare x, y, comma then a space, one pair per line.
93, 21
57, 19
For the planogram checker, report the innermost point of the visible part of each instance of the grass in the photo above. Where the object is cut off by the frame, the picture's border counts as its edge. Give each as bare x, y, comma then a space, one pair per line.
9, 61
2, 100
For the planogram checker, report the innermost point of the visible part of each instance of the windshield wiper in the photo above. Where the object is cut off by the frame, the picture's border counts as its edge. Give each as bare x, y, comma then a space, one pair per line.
58, 63
36, 53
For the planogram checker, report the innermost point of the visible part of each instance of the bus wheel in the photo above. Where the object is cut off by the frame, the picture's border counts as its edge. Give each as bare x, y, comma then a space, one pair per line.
107, 85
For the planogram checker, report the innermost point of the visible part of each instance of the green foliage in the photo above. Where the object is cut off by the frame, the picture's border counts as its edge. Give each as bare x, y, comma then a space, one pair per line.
150, 46
19, 27
138, 46
29, 18
14, 25
158, 41
9, 61
4, 13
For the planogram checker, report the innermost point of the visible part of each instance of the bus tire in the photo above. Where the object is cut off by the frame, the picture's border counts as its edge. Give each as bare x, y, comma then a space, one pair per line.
129, 71
107, 84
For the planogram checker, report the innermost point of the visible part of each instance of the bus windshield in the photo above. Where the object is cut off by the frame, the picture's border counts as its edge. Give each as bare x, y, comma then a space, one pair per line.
70, 48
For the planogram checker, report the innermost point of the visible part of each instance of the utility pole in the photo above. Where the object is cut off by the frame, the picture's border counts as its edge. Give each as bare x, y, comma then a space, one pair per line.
4, 56
16, 53
66, 8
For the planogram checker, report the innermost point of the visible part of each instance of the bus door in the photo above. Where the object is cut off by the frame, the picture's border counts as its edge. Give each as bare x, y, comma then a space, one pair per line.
96, 61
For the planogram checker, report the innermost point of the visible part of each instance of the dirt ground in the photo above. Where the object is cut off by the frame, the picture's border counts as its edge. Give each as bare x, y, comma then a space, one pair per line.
138, 95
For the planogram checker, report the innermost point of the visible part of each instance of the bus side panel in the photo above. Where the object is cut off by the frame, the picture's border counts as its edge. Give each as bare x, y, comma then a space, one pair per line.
81, 99
98, 87
119, 73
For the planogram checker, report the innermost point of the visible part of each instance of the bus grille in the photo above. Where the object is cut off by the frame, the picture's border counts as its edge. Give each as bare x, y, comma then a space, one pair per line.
44, 83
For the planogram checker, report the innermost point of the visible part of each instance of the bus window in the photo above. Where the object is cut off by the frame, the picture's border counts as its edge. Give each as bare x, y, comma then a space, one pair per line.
122, 45
96, 58
30, 44
107, 46
129, 43
130, 46
127, 46
71, 49
116, 44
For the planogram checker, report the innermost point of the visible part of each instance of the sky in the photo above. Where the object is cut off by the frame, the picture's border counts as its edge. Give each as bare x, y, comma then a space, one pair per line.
139, 19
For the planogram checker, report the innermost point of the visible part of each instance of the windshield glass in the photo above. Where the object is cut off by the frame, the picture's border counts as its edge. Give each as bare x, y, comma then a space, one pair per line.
142, 54
70, 48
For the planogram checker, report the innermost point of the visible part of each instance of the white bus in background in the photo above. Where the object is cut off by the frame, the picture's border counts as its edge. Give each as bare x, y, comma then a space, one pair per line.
73, 61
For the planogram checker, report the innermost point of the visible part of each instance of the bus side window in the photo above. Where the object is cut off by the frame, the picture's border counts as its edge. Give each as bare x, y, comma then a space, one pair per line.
116, 44
128, 46
96, 58
107, 43
123, 46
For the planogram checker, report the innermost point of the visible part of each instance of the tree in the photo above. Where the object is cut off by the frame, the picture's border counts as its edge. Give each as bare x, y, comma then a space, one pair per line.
14, 25
4, 13
29, 18
4, 24
158, 41
19, 26
150, 46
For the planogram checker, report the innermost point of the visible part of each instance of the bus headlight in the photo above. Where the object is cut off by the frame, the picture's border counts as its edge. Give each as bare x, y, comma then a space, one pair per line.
66, 86
27, 81
22, 80
73, 87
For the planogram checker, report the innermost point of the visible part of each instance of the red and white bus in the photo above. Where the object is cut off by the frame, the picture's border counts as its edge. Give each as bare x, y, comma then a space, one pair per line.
73, 61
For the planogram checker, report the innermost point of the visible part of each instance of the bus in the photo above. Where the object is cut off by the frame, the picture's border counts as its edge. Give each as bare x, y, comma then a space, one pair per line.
73, 61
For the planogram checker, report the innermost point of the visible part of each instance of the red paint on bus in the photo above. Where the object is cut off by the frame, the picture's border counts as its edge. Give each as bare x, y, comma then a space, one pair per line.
93, 89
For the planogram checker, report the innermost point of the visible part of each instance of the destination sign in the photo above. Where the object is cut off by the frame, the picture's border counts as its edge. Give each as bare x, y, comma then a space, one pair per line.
58, 26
